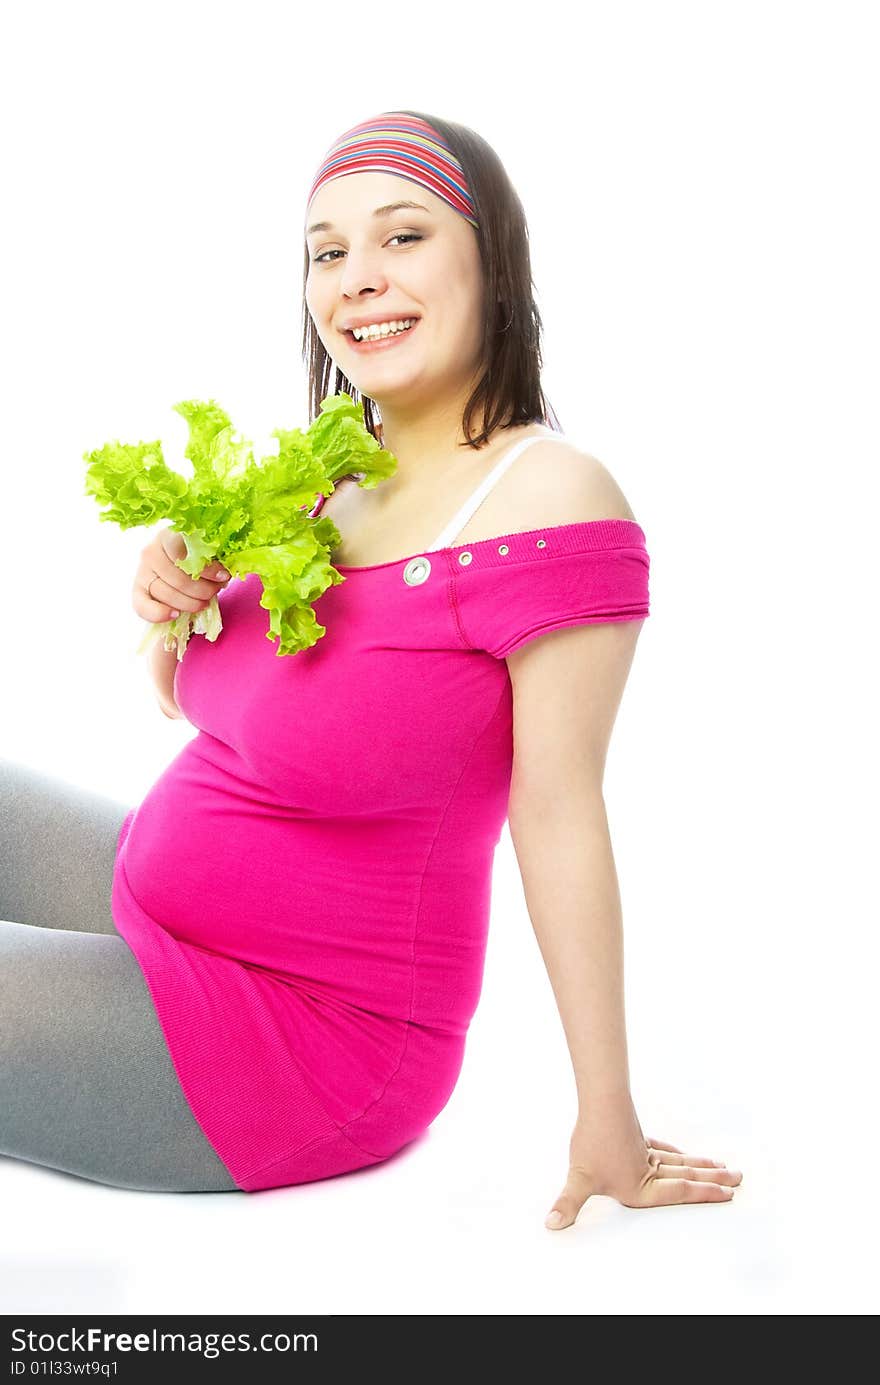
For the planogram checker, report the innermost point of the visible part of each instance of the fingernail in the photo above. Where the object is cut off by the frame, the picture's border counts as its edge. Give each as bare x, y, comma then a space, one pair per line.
554, 1219
175, 614
222, 574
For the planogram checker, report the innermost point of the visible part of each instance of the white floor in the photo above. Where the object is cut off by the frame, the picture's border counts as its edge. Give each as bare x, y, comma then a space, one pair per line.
454, 1224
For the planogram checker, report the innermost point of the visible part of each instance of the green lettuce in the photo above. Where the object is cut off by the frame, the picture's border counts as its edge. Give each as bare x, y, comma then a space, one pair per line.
249, 516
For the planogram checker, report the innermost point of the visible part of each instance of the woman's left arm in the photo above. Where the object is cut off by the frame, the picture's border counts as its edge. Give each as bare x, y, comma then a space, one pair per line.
567, 688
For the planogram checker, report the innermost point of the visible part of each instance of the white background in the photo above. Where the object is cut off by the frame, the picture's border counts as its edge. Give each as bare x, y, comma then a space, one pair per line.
701, 188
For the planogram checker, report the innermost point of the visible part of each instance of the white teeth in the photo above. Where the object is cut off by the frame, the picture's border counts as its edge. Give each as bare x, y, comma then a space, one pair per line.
382, 329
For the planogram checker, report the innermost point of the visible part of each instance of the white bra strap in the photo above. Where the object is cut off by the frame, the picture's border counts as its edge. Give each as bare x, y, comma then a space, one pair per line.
476, 498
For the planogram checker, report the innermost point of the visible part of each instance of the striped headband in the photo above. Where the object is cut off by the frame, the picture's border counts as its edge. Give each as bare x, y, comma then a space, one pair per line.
404, 145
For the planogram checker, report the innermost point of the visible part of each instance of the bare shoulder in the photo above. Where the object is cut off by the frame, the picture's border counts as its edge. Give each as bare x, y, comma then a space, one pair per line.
557, 482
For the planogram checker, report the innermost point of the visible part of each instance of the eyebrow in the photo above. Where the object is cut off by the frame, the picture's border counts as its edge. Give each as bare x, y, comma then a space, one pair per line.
379, 212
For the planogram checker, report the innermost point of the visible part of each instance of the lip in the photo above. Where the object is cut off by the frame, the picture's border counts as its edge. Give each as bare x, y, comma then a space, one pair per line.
381, 343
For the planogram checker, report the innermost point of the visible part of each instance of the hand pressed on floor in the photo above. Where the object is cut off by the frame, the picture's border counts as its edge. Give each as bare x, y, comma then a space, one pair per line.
609, 1155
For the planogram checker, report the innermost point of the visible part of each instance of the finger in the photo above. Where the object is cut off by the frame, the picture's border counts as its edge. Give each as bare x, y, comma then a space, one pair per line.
173, 547
195, 589
150, 608
215, 573
669, 1192
166, 589
145, 601
698, 1174
570, 1201
686, 1158
172, 543
690, 1159
158, 592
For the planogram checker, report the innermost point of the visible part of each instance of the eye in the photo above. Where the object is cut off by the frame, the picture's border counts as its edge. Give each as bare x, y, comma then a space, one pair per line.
401, 235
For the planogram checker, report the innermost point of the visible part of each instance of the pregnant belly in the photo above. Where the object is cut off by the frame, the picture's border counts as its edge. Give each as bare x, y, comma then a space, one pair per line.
219, 867
366, 914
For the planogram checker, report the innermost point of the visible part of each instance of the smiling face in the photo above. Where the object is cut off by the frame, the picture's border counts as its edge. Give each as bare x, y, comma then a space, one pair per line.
418, 261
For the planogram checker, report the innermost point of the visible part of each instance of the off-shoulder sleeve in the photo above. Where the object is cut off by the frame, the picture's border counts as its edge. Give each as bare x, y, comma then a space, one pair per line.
511, 590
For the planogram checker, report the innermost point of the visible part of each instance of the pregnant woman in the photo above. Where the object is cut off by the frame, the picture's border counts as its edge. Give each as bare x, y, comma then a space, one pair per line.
285, 996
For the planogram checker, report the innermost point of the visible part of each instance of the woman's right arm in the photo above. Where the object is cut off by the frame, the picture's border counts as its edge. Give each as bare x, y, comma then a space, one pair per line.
163, 666
162, 590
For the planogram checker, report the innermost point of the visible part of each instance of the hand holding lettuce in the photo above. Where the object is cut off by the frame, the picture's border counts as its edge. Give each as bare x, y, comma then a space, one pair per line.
250, 517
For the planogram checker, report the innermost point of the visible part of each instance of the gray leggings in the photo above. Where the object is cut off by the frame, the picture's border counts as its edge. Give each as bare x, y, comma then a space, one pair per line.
87, 1085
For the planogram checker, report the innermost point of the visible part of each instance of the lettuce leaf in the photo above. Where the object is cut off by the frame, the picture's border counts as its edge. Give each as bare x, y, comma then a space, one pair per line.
250, 516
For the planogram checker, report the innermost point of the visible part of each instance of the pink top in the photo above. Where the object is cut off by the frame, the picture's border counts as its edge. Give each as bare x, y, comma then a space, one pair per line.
307, 884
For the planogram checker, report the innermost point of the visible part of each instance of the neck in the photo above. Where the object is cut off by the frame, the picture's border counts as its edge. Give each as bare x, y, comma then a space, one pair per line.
426, 440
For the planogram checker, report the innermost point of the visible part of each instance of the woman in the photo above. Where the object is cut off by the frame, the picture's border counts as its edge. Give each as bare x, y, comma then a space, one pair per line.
288, 998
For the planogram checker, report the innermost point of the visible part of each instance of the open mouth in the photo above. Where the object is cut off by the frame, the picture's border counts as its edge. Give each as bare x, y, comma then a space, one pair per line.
368, 343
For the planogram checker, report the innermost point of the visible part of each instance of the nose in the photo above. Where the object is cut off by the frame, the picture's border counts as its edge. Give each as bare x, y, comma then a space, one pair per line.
361, 274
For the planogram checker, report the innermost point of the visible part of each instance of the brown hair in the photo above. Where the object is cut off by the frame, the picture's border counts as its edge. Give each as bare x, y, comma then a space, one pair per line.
509, 390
